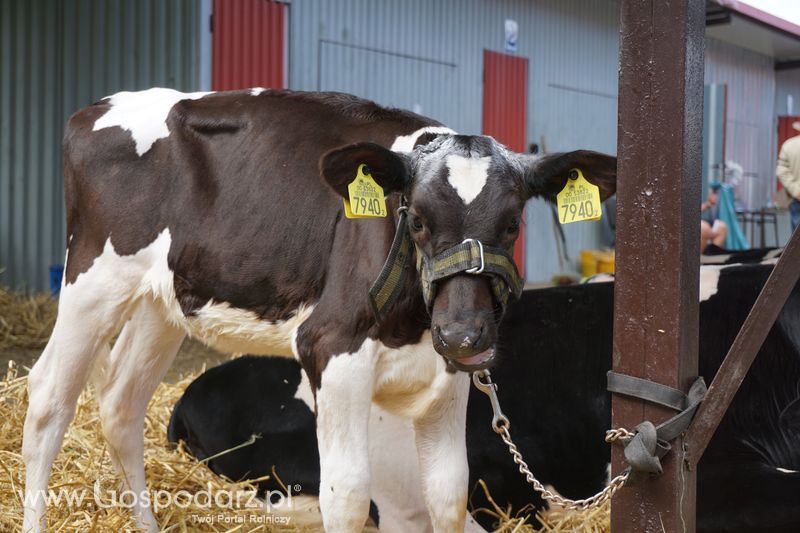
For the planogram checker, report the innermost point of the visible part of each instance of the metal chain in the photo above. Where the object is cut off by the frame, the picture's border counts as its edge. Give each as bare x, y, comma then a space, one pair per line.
501, 425
613, 435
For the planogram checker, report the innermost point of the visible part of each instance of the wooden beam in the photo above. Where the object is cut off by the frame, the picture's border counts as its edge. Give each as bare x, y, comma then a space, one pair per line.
658, 238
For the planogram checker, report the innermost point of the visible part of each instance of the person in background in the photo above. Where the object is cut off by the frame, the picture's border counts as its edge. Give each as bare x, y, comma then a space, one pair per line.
711, 227
788, 172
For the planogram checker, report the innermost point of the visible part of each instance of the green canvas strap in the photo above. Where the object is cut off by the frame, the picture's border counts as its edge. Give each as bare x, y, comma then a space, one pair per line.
384, 292
470, 257
650, 443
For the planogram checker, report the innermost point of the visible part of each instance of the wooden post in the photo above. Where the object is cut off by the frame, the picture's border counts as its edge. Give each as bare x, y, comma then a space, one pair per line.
658, 238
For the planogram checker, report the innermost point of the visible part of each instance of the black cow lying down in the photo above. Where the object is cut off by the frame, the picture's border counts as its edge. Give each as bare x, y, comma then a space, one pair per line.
714, 255
556, 350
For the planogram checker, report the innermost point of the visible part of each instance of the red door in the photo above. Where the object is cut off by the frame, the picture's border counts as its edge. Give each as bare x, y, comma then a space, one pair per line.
249, 44
505, 86
786, 132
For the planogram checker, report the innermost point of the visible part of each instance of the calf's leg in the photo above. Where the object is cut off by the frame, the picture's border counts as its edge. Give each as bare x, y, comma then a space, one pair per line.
87, 318
343, 406
442, 449
124, 385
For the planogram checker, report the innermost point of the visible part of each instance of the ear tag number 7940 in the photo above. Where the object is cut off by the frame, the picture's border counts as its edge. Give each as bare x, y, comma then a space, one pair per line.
579, 200
366, 197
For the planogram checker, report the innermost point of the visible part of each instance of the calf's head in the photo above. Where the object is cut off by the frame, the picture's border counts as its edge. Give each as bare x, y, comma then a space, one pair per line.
462, 187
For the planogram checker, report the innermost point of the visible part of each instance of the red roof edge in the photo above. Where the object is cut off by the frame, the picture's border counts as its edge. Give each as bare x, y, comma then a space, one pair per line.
761, 17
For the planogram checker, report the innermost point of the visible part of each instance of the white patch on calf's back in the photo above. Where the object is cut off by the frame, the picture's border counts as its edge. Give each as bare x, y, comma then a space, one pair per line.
773, 254
255, 91
709, 281
714, 259
143, 114
467, 175
405, 143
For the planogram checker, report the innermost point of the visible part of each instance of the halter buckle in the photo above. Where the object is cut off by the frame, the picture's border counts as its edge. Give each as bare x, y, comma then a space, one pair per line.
476, 270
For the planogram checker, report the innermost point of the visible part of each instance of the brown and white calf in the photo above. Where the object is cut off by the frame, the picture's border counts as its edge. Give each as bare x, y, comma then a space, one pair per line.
204, 214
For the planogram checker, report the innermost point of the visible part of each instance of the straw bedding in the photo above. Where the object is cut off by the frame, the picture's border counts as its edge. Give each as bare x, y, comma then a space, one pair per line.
85, 460
554, 519
25, 320
83, 465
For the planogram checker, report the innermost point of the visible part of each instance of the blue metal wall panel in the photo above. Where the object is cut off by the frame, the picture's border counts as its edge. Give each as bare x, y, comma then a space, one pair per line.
56, 57
352, 69
751, 124
787, 92
713, 133
427, 56
30, 132
572, 46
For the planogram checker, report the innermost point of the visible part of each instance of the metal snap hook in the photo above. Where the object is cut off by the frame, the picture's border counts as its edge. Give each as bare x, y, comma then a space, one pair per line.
499, 420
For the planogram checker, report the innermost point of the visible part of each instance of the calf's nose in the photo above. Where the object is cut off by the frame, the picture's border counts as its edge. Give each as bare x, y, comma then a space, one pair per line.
461, 339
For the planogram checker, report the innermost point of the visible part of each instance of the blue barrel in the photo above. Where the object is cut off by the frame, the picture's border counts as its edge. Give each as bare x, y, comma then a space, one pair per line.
56, 274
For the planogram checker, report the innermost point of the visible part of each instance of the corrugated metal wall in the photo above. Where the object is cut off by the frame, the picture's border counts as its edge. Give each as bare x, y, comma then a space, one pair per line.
56, 57
427, 56
31, 235
787, 92
750, 134
714, 101
424, 55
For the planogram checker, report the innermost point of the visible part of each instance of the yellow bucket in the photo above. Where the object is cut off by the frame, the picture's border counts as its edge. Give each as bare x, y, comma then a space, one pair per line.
605, 262
588, 263
596, 262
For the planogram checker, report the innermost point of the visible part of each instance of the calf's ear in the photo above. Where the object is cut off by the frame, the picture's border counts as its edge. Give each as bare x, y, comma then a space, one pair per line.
546, 175
389, 169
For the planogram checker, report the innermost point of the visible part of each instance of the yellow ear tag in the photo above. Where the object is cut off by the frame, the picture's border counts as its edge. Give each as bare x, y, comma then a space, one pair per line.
366, 197
579, 200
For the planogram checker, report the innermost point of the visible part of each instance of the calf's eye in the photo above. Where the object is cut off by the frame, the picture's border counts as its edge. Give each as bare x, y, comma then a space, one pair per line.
513, 227
415, 223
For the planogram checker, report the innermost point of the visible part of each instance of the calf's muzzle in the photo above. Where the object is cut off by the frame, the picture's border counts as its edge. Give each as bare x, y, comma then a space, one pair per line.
464, 321
461, 286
